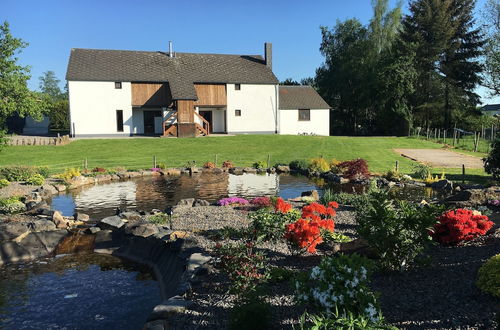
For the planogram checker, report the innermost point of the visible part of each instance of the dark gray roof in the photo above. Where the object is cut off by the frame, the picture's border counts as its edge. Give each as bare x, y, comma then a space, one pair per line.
180, 71
491, 107
300, 97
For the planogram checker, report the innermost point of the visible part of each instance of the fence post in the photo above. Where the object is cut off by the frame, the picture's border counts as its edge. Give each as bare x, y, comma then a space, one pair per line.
216, 160
268, 161
444, 136
154, 161
397, 166
85, 163
463, 173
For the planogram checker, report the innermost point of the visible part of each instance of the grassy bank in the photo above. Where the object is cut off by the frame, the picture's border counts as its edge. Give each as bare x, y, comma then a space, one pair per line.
242, 150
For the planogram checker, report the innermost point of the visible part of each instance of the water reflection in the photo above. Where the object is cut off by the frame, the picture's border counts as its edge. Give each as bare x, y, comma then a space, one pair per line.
76, 291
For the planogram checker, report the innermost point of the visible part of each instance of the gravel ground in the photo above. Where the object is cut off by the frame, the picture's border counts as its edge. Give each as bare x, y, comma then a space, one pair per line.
441, 295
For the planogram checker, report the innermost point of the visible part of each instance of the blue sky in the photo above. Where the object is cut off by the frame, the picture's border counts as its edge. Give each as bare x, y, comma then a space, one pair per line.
52, 28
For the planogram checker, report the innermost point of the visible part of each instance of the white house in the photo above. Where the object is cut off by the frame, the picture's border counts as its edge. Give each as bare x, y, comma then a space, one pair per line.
117, 92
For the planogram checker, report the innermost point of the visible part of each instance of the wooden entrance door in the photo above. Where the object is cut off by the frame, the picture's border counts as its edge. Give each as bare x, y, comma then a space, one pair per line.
208, 117
149, 121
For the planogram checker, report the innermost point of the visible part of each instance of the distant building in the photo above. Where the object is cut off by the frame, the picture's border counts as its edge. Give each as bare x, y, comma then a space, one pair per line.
491, 109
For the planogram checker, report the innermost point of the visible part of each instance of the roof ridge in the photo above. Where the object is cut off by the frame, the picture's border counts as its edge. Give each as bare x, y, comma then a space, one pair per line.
164, 52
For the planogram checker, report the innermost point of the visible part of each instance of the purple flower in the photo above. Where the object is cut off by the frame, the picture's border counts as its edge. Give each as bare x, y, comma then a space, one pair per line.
232, 200
494, 202
155, 169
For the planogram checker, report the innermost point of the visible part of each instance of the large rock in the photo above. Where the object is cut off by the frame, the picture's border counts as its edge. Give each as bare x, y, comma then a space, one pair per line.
442, 185
312, 194
168, 307
79, 181
131, 215
197, 260
474, 197
143, 229
13, 252
113, 222
41, 244
47, 190
201, 202
59, 220
282, 169
171, 171
186, 202
249, 170
236, 170
78, 216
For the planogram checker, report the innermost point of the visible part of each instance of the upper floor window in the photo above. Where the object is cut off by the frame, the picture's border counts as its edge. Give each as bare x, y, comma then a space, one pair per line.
237, 113
304, 115
118, 85
237, 87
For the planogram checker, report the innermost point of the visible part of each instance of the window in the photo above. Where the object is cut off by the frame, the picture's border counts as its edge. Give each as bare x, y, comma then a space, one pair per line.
237, 87
304, 115
237, 113
118, 85
119, 120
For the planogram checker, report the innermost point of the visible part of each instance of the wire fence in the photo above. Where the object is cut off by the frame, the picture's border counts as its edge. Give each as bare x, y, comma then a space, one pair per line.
477, 141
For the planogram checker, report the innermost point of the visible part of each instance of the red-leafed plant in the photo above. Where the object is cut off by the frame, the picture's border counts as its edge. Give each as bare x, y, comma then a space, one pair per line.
306, 233
460, 225
98, 170
355, 169
261, 202
227, 164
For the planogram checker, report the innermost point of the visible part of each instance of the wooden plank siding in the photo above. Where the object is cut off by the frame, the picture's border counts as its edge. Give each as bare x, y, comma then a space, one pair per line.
185, 111
151, 94
211, 95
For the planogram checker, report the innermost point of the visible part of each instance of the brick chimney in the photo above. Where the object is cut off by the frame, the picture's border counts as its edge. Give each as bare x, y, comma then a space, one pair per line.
268, 54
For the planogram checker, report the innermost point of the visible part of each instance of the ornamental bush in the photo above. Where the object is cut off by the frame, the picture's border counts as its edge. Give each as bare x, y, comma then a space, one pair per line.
261, 202
36, 180
489, 276
299, 166
4, 183
319, 165
492, 161
356, 169
340, 285
459, 225
69, 174
11, 205
227, 164
259, 165
307, 232
209, 165
397, 231
270, 224
22, 173
232, 201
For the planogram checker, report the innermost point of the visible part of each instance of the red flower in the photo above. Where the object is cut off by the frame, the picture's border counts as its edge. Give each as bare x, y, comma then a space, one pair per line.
334, 205
460, 225
282, 206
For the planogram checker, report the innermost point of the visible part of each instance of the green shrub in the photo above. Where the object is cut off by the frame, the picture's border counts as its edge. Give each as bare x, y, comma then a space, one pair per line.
393, 175
4, 183
355, 200
398, 231
299, 166
319, 165
280, 274
340, 284
161, 166
36, 180
270, 225
69, 174
17, 173
158, 218
259, 165
254, 314
489, 276
11, 205
337, 320
43, 171
421, 171
492, 161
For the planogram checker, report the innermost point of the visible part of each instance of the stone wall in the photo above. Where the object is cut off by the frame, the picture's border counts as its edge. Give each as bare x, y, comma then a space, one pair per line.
25, 140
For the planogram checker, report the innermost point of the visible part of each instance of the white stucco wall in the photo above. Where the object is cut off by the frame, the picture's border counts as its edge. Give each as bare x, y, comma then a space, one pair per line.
258, 106
319, 123
93, 106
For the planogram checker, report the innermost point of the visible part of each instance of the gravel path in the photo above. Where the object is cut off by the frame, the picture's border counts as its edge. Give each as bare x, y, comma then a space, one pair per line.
441, 295
441, 158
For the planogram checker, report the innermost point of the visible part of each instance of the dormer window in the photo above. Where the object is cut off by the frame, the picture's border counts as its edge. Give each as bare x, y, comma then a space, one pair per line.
118, 85
237, 87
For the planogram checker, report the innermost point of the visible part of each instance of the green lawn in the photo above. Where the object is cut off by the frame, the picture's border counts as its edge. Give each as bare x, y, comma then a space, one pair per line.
242, 150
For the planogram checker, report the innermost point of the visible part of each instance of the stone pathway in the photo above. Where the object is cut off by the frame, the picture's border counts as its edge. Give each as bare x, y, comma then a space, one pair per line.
441, 158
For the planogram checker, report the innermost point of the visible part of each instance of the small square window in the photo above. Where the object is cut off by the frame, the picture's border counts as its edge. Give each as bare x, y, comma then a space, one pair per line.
118, 85
304, 115
237, 113
237, 87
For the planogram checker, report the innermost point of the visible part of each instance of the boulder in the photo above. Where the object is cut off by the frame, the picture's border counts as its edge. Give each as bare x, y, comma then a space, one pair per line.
34, 197
131, 215
171, 171
47, 190
193, 170
11, 230
41, 244
473, 197
201, 202
283, 169
78, 216
272, 170
42, 225
442, 185
92, 230
60, 187
141, 229
186, 202
197, 260
59, 220
113, 222
313, 194
168, 307
261, 170
46, 211
13, 252
332, 177
249, 170
236, 170
79, 181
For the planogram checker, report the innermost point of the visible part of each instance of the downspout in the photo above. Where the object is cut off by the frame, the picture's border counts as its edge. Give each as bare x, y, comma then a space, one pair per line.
276, 128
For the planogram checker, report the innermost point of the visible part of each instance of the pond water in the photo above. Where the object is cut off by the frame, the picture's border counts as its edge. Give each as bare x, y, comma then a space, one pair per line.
79, 291
158, 192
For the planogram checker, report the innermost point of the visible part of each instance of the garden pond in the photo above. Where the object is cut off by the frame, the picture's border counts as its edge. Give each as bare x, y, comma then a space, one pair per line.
158, 192
76, 291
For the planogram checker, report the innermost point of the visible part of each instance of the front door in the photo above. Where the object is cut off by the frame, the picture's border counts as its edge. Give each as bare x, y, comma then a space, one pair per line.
208, 117
149, 121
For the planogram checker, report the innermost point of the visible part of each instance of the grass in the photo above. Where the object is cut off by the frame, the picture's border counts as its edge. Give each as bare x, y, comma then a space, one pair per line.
242, 150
